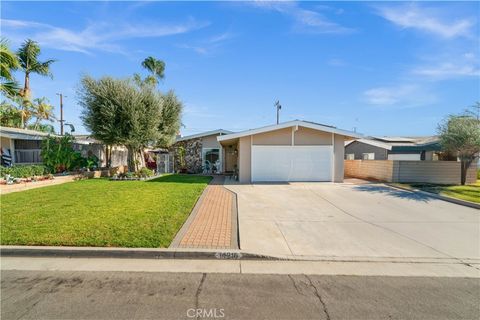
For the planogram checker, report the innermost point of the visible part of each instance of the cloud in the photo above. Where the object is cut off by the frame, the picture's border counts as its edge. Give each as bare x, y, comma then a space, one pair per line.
96, 36
427, 20
403, 96
449, 67
336, 62
209, 45
308, 21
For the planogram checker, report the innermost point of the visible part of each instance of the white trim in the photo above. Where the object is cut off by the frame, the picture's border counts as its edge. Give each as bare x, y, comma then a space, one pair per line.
251, 158
332, 165
305, 124
373, 143
204, 134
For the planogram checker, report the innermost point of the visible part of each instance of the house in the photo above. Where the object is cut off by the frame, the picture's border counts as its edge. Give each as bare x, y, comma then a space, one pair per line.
291, 151
20, 146
395, 148
24, 146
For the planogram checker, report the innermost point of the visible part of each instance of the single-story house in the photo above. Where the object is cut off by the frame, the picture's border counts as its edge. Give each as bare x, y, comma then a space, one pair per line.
20, 146
395, 148
291, 151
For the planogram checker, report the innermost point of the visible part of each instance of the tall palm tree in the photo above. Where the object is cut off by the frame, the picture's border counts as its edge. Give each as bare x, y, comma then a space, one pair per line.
42, 110
156, 68
28, 56
8, 63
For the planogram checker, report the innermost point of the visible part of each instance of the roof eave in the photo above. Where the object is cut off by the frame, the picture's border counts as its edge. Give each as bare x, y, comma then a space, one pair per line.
288, 124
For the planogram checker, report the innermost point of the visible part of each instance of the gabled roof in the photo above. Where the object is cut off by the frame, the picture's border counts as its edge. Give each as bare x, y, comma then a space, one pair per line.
372, 143
306, 124
409, 143
22, 134
204, 134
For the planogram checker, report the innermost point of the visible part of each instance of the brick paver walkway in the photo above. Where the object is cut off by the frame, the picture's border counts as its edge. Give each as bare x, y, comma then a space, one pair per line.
213, 220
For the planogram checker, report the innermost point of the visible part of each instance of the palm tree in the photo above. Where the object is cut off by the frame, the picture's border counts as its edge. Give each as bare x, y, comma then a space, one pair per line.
28, 56
8, 63
156, 68
42, 110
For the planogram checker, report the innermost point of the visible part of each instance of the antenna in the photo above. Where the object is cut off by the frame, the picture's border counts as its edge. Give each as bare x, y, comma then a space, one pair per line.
279, 107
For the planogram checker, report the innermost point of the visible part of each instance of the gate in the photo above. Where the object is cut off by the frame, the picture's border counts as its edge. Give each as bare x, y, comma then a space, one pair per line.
165, 163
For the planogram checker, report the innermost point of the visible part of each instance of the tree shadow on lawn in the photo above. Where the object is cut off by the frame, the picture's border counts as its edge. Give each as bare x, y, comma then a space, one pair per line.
397, 193
182, 178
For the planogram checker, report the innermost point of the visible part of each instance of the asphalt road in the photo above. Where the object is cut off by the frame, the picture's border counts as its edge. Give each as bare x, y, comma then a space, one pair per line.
136, 295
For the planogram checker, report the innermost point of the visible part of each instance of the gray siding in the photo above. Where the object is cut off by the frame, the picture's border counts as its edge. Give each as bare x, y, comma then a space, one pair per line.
359, 148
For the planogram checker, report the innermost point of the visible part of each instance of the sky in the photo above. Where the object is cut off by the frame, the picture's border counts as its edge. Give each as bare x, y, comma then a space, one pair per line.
380, 68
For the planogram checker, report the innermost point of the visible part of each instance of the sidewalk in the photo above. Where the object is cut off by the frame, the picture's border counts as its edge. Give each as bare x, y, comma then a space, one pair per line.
213, 221
4, 189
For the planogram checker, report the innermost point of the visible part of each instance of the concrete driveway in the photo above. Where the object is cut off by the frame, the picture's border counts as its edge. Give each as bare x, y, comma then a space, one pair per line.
354, 221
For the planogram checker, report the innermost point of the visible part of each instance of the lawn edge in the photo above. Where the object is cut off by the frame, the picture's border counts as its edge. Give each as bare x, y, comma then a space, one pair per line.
437, 196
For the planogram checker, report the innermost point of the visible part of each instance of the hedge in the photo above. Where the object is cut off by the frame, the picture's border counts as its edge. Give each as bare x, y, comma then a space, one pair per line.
23, 171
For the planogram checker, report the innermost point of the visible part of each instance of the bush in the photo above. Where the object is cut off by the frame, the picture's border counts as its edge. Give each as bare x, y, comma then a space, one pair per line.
478, 174
144, 173
23, 171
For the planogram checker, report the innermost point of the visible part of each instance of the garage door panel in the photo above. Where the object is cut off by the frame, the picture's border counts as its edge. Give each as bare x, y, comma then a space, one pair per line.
291, 163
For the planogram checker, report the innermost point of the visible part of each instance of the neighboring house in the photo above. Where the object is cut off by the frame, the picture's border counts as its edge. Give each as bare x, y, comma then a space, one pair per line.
203, 153
395, 148
20, 146
88, 146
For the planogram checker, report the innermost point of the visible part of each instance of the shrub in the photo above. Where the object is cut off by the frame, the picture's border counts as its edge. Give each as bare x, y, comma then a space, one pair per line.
23, 171
58, 154
144, 173
478, 174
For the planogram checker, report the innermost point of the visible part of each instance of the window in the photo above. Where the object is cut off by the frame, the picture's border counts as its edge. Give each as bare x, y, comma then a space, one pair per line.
368, 156
350, 156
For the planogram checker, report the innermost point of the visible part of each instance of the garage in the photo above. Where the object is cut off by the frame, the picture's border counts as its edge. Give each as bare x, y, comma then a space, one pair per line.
287, 152
291, 163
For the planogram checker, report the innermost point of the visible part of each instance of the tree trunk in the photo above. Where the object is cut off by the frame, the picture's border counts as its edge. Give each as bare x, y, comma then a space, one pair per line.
464, 165
26, 87
107, 156
131, 158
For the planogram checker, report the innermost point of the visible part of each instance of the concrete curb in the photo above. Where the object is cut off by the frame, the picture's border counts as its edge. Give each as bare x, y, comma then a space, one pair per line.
437, 196
130, 253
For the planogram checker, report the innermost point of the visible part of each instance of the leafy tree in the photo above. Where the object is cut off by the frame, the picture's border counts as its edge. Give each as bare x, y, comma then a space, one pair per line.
28, 57
8, 63
9, 115
43, 127
119, 113
460, 135
170, 119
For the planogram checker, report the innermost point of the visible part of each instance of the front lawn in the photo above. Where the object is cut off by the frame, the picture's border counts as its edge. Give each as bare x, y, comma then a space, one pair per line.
468, 192
99, 212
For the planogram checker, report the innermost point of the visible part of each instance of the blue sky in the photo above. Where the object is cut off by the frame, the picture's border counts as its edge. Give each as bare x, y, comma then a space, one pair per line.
392, 68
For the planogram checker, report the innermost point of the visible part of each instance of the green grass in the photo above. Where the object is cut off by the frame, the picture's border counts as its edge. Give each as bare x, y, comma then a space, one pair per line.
468, 192
99, 212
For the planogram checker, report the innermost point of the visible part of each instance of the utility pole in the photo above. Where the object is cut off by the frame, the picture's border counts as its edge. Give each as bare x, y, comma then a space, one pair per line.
61, 112
279, 107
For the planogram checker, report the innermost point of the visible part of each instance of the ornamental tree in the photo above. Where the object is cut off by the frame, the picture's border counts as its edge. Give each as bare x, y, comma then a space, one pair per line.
460, 135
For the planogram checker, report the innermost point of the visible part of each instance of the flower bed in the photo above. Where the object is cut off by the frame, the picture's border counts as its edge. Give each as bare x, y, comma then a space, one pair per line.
23, 173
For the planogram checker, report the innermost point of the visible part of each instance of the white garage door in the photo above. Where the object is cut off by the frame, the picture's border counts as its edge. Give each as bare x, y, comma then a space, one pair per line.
291, 163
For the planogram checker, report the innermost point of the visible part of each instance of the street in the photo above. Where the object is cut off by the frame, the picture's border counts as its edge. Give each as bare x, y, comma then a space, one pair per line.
159, 295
